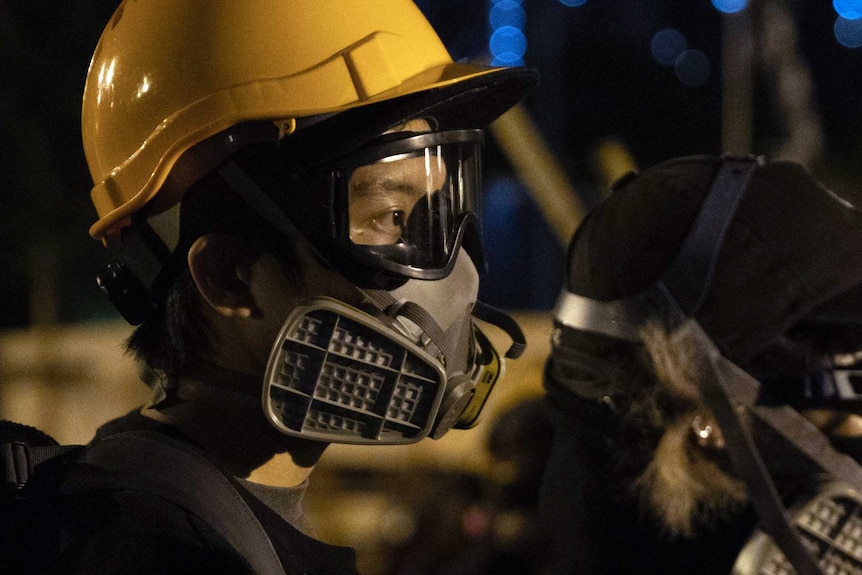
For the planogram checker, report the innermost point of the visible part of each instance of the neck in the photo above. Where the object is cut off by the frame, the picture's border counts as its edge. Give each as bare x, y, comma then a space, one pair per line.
220, 410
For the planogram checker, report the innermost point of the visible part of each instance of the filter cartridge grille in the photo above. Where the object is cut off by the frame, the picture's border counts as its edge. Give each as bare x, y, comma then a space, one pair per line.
338, 378
830, 526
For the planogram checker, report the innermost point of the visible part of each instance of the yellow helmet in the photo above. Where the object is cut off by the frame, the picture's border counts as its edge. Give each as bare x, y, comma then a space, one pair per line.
169, 74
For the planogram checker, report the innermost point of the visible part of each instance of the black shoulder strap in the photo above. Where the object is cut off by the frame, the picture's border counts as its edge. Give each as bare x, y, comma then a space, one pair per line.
18, 460
182, 474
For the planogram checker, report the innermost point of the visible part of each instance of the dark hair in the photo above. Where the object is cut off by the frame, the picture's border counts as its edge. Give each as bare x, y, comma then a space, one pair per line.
171, 336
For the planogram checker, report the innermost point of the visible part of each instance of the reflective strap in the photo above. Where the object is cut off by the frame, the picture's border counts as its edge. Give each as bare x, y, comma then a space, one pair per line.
620, 319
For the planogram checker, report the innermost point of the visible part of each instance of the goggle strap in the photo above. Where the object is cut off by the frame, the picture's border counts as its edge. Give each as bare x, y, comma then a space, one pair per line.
257, 199
691, 273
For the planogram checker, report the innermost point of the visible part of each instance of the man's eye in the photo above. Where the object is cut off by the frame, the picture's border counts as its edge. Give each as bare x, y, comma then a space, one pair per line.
394, 219
389, 225
381, 228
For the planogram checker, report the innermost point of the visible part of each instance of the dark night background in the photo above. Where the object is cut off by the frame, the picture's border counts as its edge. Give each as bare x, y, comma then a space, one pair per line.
599, 79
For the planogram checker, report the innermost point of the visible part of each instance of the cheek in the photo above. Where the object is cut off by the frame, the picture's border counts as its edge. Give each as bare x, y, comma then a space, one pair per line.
274, 294
320, 280
278, 296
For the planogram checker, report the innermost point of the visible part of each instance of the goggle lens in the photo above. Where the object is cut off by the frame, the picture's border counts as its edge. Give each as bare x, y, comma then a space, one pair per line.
408, 200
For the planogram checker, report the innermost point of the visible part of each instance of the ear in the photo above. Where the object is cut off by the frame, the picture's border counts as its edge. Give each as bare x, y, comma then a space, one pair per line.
219, 264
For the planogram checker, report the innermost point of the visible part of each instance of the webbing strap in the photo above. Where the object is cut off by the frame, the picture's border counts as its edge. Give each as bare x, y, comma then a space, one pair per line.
507, 323
180, 473
690, 275
18, 460
713, 375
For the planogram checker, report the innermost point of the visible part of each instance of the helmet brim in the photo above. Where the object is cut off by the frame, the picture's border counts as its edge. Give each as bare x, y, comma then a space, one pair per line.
463, 96
456, 95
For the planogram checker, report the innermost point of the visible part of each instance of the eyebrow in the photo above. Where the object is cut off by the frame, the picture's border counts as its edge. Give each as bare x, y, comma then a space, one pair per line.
379, 187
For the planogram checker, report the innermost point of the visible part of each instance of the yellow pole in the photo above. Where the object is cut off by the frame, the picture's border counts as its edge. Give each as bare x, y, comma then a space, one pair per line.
521, 142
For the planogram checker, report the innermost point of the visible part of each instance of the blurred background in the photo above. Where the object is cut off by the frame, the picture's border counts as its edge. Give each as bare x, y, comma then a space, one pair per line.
625, 84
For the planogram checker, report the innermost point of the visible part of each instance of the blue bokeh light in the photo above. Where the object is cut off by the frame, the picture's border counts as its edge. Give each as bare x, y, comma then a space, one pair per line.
666, 46
573, 3
507, 13
848, 32
848, 9
730, 6
692, 68
508, 45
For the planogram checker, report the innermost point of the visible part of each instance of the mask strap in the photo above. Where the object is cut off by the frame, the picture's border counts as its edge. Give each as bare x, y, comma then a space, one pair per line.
811, 443
386, 303
432, 334
507, 323
715, 375
690, 275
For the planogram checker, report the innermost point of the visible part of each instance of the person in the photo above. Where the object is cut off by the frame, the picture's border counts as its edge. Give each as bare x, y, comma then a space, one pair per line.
702, 378
289, 194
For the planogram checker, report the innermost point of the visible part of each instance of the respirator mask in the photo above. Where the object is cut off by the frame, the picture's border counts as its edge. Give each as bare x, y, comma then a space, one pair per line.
411, 361
807, 495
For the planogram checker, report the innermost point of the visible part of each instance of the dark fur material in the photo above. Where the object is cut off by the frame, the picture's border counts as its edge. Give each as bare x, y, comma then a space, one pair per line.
685, 485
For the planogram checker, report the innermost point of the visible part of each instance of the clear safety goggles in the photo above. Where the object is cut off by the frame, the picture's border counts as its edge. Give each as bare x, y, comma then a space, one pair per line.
404, 203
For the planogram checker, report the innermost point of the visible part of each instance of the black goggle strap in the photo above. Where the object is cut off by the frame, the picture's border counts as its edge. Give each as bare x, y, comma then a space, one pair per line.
716, 377
252, 194
132, 280
257, 199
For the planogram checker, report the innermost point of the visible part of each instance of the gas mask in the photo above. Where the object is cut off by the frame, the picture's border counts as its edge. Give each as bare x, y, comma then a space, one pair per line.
412, 361
807, 495
418, 367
